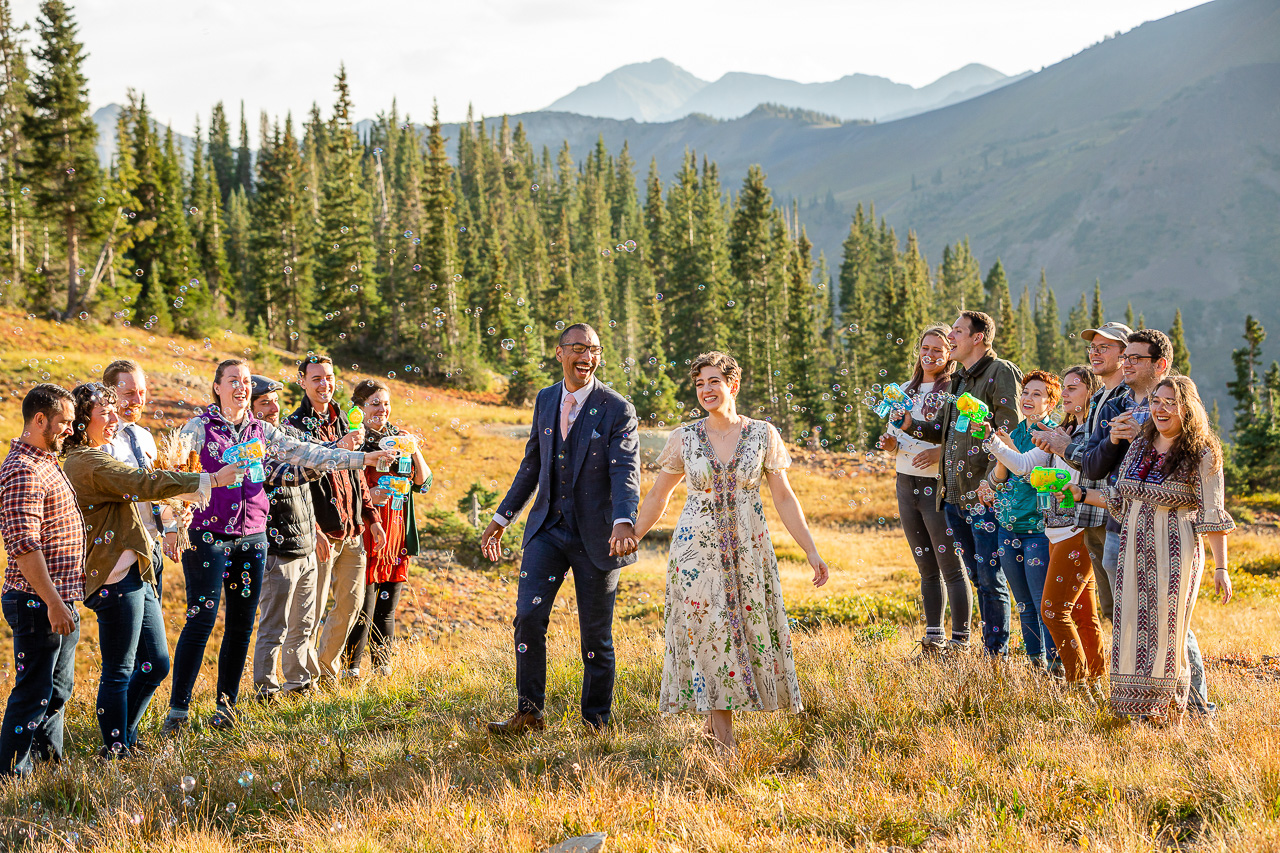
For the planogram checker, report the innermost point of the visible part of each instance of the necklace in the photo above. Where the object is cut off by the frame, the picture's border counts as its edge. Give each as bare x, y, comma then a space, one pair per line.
723, 433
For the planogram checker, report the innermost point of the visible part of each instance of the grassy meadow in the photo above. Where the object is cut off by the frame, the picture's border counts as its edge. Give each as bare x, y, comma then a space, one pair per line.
889, 753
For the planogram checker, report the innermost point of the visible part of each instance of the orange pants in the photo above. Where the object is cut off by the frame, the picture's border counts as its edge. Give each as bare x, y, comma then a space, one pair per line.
1069, 610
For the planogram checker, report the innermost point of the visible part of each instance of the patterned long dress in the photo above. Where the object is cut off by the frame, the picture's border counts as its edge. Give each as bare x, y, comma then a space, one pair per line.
1158, 577
728, 647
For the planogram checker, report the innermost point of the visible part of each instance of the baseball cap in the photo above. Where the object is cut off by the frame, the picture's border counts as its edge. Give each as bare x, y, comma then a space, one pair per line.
1114, 331
263, 385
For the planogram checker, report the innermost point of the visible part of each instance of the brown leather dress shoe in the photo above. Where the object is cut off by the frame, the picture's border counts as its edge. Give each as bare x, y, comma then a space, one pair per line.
518, 723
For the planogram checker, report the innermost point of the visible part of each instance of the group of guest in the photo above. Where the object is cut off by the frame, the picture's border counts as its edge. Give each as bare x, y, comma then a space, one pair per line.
98, 527
1130, 443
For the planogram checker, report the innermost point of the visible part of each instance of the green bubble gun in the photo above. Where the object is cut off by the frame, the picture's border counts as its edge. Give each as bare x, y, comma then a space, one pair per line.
355, 418
973, 415
1046, 481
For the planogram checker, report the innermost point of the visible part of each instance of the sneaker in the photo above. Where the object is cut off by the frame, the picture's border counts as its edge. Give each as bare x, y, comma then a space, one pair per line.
222, 720
173, 726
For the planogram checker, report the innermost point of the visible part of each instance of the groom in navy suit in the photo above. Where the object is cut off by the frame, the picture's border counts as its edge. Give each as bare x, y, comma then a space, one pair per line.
583, 460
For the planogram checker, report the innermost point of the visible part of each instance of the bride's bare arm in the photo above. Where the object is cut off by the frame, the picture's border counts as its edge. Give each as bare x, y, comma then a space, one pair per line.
654, 505
792, 515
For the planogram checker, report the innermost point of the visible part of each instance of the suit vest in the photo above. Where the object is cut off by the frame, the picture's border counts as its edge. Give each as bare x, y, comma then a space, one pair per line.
561, 496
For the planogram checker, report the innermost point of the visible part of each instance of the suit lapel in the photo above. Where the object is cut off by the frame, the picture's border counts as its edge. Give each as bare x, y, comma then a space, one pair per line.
593, 411
549, 418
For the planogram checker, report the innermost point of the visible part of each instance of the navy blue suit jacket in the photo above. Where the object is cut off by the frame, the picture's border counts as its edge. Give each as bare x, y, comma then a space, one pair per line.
605, 469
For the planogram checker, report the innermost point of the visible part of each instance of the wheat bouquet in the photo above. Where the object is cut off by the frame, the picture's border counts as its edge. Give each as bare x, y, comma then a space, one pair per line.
174, 452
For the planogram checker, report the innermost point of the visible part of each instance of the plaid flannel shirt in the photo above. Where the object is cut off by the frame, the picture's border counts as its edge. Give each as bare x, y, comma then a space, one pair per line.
1091, 516
38, 512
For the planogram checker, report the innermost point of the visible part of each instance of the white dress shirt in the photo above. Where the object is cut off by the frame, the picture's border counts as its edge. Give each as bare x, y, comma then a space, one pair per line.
120, 450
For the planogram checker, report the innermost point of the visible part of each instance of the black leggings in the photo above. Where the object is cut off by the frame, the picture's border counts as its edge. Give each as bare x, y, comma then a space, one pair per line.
936, 556
376, 625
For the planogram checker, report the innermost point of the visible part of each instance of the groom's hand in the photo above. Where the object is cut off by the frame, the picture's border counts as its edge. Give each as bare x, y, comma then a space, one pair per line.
623, 541
491, 541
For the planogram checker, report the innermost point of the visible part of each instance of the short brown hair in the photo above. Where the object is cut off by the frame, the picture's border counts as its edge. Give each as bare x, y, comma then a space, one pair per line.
221, 369
314, 358
1052, 384
721, 361
86, 397
1158, 344
366, 389
118, 368
1091, 382
44, 399
980, 323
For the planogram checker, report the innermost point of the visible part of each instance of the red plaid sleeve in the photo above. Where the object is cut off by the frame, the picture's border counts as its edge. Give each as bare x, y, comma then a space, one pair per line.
22, 497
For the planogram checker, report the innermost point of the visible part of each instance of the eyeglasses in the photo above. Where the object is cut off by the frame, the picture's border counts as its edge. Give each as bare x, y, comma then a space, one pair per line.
1100, 349
579, 349
1162, 404
1130, 359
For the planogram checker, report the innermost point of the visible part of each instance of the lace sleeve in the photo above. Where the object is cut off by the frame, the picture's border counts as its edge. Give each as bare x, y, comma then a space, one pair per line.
671, 459
1211, 516
776, 458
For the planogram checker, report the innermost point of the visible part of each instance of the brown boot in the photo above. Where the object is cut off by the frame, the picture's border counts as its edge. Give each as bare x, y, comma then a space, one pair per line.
518, 723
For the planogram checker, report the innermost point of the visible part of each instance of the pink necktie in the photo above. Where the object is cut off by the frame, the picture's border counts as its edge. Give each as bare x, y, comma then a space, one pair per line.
566, 409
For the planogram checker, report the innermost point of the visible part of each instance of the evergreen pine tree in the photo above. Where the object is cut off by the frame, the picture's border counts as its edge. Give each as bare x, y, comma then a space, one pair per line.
750, 246
244, 157
15, 107
1181, 355
1028, 345
1050, 344
345, 254
1077, 321
1096, 315
59, 162
1128, 315
222, 156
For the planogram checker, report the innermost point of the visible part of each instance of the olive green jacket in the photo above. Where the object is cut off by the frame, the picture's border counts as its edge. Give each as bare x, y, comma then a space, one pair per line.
106, 491
998, 383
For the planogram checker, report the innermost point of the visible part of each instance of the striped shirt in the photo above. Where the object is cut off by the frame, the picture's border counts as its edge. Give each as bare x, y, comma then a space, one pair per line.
38, 512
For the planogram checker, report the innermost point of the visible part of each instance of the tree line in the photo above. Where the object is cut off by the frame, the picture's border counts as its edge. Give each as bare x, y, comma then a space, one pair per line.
459, 259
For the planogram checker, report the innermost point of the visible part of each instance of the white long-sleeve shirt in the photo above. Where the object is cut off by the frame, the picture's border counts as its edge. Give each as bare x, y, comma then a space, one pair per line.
1023, 463
909, 446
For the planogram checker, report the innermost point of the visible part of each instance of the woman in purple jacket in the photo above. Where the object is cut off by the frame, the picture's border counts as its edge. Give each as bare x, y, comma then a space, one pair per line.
229, 538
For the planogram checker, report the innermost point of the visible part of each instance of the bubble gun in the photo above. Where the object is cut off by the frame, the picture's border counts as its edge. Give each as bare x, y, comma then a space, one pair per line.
894, 398
973, 415
403, 444
355, 418
1046, 481
397, 486
248, 455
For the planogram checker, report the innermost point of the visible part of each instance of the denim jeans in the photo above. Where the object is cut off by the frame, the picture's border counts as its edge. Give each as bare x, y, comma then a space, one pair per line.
215, 564
975, 535
135, 656
941, 573
1024, 557
550, 555
44, 675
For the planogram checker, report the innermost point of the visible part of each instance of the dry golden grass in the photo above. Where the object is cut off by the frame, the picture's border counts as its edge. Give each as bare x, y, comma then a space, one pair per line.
888, 754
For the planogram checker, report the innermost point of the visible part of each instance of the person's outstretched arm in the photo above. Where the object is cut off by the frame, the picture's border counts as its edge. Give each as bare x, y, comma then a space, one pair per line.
792, 515
654, 505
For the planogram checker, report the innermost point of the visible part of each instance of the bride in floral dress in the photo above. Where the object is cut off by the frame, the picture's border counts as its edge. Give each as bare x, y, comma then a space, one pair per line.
728, 646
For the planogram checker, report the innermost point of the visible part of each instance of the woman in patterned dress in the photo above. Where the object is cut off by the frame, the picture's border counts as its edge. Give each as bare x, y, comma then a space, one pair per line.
1169, 495
728, 647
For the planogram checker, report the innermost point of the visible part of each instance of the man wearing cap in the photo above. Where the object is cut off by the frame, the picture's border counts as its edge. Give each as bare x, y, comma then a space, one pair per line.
286, 604
1106, 356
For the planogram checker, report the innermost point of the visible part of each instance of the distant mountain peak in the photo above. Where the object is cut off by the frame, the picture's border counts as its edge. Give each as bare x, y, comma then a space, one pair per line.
660, 90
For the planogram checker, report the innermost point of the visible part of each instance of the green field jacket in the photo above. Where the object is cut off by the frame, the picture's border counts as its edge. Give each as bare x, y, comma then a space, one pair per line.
998, 383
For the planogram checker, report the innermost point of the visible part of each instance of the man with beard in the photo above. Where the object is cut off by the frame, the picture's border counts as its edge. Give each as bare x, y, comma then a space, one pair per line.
43, 534
583, 460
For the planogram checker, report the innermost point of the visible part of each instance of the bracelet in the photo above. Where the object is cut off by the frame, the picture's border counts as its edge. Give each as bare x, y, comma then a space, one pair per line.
1219, 570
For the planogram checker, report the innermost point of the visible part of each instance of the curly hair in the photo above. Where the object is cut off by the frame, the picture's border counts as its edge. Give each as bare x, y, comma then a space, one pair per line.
366, 389
721, 361
1196, 438
1052, 384
86, 398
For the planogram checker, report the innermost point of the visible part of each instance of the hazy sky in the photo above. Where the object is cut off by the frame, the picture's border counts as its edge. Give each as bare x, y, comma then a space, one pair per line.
511, 56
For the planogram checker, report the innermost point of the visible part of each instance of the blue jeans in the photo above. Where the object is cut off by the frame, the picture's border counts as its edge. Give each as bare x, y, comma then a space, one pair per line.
975, 537
1198, 701
44, 674
550, 555
209, 567
135, 656
1024, 557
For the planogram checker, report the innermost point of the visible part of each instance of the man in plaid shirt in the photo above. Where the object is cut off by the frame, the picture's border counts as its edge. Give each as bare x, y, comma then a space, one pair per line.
43, 534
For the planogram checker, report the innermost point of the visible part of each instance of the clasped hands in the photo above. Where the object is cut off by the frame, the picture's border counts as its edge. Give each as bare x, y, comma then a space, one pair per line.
623, 541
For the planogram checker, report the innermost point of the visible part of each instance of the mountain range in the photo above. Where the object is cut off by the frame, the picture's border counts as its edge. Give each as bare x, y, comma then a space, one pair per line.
1149, 162
662, 91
